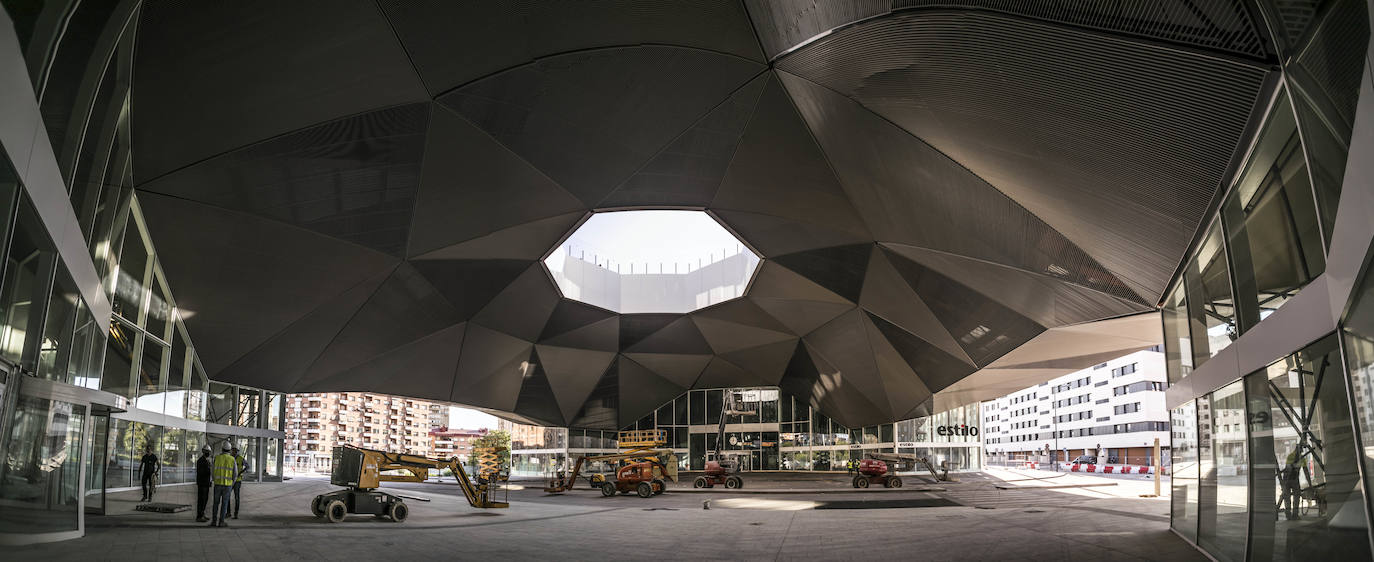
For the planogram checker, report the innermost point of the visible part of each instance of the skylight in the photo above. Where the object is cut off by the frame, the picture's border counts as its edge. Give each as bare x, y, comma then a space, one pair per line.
652, 261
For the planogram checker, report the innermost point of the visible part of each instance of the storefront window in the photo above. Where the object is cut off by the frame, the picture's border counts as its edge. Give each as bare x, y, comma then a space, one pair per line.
1271, 222
40, 479
1223, 509
1307, 497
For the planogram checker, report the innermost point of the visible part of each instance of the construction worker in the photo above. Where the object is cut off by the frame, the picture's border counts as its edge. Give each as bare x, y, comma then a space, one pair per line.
1290, 478
238, 479
223, 479
204, 466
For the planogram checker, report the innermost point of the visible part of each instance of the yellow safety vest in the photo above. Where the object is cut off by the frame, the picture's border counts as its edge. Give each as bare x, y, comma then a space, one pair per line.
225, 466
242, 466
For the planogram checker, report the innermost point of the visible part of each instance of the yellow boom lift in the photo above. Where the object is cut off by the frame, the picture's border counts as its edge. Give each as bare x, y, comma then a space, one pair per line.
639, 447
363, 470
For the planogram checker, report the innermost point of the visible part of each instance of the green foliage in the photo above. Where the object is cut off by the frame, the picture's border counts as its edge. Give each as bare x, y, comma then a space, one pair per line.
498, 439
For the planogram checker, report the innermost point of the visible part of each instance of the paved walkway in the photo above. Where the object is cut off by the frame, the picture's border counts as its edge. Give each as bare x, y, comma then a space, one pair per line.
987, 524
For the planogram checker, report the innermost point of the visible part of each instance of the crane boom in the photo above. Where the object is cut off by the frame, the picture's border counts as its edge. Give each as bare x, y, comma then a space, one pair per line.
375, 462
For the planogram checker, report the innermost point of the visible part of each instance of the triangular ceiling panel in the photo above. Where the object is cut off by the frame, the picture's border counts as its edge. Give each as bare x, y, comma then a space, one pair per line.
572, 373
452, 43
887, 295
569, 315
528, 241
403, 309
421, 369
770, 235
892, 176
740, 311
802, 317
602, 407
835, 393
524, 306
1061, 118
589, 119
840, 269
725, 336
537, 401
679, 336
641, 391
1046, 300
470, 284
491, 369
353, 179
844, 344
681, 369
777, 150
217, 261
720, 373
687, 172
777, 282
211, 78
902, 387
764, 363
636, 327
983, 327
600, 336
281, 360
473, 187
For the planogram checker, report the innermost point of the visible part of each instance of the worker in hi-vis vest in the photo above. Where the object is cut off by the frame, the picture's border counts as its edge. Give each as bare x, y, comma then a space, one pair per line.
226, 468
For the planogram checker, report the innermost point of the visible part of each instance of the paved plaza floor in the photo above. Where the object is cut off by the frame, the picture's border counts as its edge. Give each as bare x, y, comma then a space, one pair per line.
995, 515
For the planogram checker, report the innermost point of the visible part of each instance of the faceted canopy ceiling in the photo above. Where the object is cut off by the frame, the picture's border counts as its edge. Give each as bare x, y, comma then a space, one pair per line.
355, 195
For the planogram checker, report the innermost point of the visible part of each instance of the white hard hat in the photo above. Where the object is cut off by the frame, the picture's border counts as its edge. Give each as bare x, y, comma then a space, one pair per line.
225, 447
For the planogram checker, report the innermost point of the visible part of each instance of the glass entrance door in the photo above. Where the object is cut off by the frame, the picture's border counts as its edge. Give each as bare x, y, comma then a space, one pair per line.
95, 470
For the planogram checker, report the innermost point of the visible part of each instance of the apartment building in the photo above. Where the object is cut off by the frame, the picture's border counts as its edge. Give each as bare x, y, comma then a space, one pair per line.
446, 443
1113, 410
317, 422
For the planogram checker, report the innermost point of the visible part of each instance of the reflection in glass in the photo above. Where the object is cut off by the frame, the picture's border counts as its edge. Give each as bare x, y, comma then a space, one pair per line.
1178, 347
152, 384
1224, 496
40, 478
1212, 309
133, 268
1359, 352
1307, 492
220, 408
88, 348
197, 395
117, 377
27, 266
1271, 222
1184, 497
56, 348
159, 309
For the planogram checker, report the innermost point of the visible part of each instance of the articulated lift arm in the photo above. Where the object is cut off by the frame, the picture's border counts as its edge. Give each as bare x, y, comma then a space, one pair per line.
478, 494
566, 484
923, 461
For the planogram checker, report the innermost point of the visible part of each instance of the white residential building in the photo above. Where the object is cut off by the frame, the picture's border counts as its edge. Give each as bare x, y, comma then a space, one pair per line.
1116, 407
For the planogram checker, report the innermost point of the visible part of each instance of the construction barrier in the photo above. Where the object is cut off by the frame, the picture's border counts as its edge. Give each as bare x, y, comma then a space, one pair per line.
1109, 468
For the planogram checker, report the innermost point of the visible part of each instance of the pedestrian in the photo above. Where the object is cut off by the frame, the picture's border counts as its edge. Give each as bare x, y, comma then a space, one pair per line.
149, 466
1291, 482
204, 466
241, 467
223, 479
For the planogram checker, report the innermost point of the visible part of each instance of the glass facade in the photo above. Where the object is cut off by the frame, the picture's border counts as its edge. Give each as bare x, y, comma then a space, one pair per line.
766, 430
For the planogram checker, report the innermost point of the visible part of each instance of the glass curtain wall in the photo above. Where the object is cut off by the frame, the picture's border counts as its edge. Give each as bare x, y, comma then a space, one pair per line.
1305, 481
1184, 477
1224, 493
40, 478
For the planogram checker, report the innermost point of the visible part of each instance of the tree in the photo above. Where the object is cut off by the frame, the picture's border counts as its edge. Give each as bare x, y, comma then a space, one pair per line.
497, 439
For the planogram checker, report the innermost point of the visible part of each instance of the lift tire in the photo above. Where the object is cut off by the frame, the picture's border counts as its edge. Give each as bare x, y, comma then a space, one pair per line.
335, 511
894, 482
645, 490
317, 506
860, 482
734, 482
607, 489
398, 511
856, 481
701, 482
660, 487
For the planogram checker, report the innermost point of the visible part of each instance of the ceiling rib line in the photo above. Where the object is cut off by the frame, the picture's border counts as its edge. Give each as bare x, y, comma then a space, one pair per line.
344, 326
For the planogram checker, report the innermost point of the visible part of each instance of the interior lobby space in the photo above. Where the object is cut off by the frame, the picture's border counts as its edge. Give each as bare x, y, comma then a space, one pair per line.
838, 249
